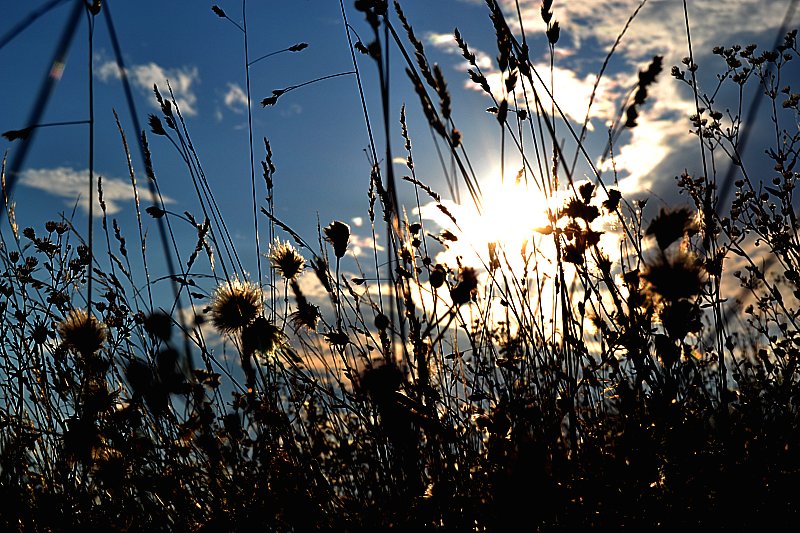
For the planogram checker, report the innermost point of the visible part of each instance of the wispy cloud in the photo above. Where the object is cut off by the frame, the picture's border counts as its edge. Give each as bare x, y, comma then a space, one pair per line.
235, 98
181, 79
72, 185
360, 246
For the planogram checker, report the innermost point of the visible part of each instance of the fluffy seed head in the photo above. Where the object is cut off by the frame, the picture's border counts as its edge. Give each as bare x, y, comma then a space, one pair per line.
675, 279
82, 332
286, 260
235, 304
261, 337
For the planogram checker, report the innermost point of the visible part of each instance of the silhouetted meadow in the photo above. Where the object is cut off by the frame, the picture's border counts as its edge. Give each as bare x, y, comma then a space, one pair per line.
558, 384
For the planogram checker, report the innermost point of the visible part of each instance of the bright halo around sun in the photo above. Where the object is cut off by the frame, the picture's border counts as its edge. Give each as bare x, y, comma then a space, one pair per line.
510, 222
512, 211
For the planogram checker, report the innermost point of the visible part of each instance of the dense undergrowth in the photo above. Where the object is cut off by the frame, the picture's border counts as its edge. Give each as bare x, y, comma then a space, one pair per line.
559, 385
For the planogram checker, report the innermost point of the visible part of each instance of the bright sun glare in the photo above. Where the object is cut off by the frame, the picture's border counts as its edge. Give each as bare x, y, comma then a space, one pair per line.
511, 212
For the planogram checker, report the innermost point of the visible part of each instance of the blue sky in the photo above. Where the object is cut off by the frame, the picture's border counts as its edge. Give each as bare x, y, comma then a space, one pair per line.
317, 133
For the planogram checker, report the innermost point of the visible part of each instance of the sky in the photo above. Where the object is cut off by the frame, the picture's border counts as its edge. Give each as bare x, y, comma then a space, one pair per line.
317, 132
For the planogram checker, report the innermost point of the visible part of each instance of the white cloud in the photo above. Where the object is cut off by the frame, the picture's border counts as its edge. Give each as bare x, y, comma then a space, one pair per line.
72, 185
108, 70
446, 42
440, 39
658, 28
589, 29
181, 80
572, 91
360, 246
658, 135
235, 98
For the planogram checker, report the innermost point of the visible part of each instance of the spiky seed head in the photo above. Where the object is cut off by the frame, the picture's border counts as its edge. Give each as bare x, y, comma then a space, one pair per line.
261, 337
286, 260
307, 314
235, 305
82, 332
676, 278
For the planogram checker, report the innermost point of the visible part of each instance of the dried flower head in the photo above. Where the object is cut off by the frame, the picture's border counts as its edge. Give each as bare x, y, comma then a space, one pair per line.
437, 276
159, 325
671, 225
82, 332
262, 337
286, 260
235, 305
466, 287
676, 279
140, 376
379, 381
338, 234
307, 314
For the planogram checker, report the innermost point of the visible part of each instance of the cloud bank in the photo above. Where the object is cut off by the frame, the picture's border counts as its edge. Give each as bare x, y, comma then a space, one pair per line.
589, 30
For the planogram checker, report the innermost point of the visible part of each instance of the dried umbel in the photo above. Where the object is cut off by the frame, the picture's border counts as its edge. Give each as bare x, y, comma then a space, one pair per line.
235, 305
82, 332
286, 260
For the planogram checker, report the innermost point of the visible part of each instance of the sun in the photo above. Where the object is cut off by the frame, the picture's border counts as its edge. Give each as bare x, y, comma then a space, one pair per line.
509, 221
511, 213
